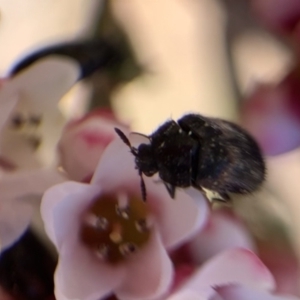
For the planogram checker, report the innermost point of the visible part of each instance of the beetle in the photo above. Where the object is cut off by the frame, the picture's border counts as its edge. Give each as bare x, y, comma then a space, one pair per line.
202, 152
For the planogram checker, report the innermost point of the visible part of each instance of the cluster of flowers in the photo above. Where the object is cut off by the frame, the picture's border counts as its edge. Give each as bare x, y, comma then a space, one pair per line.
109, 241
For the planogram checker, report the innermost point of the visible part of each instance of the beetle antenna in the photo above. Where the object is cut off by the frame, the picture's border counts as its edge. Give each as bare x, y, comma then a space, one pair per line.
143, 135
123, 137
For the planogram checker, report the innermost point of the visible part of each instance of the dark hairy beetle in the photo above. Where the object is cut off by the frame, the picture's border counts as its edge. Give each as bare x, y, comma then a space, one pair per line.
201, 152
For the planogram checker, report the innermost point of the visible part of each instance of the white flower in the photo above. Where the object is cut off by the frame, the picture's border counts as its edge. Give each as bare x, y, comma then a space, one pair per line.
29, 109
38, 88
109, 240
31, 124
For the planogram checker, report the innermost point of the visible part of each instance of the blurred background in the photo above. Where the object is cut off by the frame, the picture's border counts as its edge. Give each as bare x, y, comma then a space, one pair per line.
189, 53
181, 56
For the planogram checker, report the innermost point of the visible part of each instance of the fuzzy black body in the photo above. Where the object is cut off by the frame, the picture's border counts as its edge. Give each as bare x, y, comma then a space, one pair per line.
204, 153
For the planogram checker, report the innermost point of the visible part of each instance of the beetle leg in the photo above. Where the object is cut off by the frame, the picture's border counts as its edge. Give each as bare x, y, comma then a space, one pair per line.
143, 187
171, 189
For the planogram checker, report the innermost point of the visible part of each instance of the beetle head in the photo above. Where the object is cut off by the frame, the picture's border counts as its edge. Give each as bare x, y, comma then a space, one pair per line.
145, 160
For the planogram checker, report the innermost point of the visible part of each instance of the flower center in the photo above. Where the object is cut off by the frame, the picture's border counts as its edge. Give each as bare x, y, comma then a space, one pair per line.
115, 227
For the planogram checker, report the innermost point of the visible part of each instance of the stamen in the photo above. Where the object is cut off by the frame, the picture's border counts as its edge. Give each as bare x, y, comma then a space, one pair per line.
96, 221
142, 225
123, 211
17, 121
102, 252
127, 248
34, 141
115, 227
122, 200
35, 120
102, 223
122, 207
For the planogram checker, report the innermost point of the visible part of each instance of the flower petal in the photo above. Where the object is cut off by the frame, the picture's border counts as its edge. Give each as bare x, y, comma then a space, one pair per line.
46, 81
19, 184
83, 142
181, 218
117, 156
236, 266
222, 231
233, 292
272, 115
79, 275
187, 294
8, 100
61, 209
149, 273
36, 91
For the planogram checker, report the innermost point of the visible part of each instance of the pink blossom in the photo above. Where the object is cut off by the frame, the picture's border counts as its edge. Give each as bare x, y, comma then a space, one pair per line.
132, 267
223, 231
280, 15
272, 115
231, 275
84, 140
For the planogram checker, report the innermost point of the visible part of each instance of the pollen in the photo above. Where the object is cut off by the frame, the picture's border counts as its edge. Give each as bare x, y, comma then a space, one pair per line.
115, 227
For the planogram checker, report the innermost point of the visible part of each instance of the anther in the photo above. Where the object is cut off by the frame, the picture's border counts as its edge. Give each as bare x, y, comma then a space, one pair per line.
101, 223
96, 221
34, 141
127, 248
142, 225
102, 251
17, 121
35, 120
123, 211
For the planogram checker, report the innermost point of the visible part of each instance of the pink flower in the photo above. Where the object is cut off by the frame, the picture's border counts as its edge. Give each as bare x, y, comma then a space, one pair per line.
280, 15
223, 231
84, 140
272, 115
231, 275
109, 240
